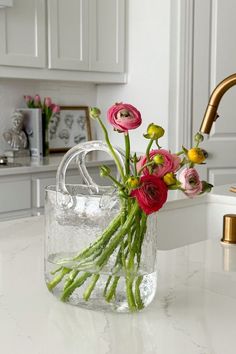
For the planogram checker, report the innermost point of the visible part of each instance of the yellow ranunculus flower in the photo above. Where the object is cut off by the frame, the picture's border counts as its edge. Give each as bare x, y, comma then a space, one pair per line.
133, 182
169, 179
196, 155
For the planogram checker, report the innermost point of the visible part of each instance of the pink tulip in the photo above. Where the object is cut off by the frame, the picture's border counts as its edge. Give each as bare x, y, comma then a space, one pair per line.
47, 102
37, 101
28, 99
55, 108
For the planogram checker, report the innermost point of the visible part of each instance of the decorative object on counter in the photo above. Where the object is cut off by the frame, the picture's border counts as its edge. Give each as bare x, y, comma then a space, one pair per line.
48, 109
16, 136
232, 189
33, 129
101, 241
69, 127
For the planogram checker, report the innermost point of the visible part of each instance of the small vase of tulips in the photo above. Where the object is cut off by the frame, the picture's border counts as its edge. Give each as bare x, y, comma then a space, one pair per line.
48, 108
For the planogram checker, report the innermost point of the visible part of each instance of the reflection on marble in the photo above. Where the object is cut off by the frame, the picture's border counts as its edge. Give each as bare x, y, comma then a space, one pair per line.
194, 311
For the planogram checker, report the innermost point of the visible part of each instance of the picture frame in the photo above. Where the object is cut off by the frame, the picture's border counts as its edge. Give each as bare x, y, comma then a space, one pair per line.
68, 128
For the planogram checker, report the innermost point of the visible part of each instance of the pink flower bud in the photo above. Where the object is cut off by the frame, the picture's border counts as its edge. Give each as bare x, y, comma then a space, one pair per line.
37, 101
28, 99
56, 109
48, 101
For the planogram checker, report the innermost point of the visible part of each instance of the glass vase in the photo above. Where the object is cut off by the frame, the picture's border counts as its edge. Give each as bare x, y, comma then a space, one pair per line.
95, 258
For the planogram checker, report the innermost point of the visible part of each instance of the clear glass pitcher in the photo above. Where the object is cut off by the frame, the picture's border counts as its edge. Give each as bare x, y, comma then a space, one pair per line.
84, 264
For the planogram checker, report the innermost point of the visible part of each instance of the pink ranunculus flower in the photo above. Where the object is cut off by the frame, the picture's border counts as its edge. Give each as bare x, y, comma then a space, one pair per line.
171, 163
190, 182
48, 101
37, 100
55, 108
124, 117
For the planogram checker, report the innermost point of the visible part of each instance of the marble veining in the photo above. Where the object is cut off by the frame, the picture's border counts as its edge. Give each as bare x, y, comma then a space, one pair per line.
194, 311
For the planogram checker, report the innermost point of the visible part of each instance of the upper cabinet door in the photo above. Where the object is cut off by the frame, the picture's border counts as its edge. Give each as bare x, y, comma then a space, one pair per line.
22, 34
107, 35
68, 34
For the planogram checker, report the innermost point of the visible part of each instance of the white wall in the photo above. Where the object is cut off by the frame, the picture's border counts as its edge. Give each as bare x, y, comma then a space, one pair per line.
148, 68
63, 93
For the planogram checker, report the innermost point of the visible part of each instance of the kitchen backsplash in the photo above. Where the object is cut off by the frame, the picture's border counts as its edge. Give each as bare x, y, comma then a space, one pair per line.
62, 93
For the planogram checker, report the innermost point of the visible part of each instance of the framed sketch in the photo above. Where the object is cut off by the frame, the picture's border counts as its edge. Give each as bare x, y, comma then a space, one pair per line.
68, 128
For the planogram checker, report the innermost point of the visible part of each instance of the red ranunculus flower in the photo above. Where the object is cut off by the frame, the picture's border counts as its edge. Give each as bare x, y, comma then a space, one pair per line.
151, 195
124, 117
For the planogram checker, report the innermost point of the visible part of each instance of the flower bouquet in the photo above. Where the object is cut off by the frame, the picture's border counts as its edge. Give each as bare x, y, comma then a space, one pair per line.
48, 108
117, 267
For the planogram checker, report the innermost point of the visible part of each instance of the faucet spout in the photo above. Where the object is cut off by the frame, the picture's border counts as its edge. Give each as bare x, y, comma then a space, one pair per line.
211, 111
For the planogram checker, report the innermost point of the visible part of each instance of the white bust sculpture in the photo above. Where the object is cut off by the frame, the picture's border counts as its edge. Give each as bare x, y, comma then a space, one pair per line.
15, 136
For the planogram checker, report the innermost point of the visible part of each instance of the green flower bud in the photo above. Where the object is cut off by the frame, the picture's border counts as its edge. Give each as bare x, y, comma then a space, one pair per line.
198, 138
206, 187
94, 112
158, 159
133, 182
105, 171
154, 132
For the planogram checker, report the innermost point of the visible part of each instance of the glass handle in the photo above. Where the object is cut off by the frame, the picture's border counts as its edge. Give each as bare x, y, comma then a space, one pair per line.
79, 152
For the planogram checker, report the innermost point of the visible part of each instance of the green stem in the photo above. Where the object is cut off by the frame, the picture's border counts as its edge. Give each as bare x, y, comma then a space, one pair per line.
135, 165
71, 278
118, 164
118, 184
130, 294
142, 234
118, 237
76, 284
91, 286
58, 278
137, 294
145, 166
111, 292
127, 154
107, 284
102, 241
148, 150
180, 153
135, 244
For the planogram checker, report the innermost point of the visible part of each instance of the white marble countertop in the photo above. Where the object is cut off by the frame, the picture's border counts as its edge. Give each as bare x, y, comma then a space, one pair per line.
194, 311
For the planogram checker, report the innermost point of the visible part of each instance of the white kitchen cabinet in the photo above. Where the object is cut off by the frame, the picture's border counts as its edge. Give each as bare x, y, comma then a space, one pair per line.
22, 34
15, 196
68, 29
73, 40
86, 35
107, 35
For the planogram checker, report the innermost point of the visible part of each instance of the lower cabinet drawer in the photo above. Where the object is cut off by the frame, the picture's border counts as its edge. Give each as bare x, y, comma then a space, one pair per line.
15, 195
